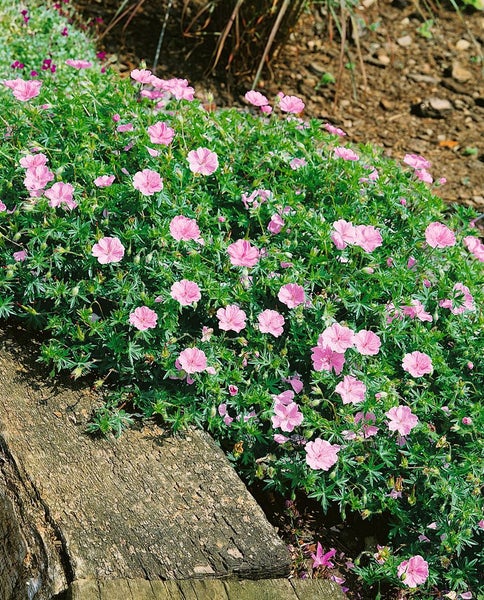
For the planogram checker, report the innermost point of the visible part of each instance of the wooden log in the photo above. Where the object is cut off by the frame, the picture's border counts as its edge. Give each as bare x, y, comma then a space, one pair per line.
144, 506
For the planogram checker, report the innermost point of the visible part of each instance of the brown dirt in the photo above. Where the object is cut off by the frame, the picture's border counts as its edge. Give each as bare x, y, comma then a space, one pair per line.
408, 68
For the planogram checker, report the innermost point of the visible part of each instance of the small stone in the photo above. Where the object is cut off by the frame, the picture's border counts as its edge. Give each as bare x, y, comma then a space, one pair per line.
405, 41
384, 59
440, 104
462, 45
317, 68
459, 73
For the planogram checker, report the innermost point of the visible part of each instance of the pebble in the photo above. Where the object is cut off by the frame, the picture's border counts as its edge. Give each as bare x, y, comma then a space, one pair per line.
459, 73
317, 68
462, 45
405, 41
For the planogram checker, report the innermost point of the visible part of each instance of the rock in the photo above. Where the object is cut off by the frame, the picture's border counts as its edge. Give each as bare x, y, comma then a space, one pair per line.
432, 108
462, 45
405, 41
383, 58
317, 68
459, 73
423, 78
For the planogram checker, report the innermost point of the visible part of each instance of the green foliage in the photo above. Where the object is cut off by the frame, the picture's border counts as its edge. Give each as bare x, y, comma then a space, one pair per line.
432, 477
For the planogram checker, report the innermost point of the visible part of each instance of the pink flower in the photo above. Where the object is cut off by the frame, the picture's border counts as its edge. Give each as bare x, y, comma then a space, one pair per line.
24, 90
78, 64
367, 342
416, 161
344, 234
413, 571
231, 318
334, 130
275, 224
233, 390
104, 180
401, 419
279, 438
475, 247
143, 318
367, 418
325, 359
192, 360
417, 363
291, 104
253, 199
161, 133
256, 98
141, 75
320, 454
424, 175
322, 560
337, 337
270, 321
202, 161
36, 178
297, 163
367, 237
416, 310
185, 292
3, 207
438, 235
286, 416
61, 193
345, 153
291, 295
351, 390
461, 301
108, 250
466, 421
125, 127
183, 228
33, 160
285, 397
20, 256
148, 182
242, 254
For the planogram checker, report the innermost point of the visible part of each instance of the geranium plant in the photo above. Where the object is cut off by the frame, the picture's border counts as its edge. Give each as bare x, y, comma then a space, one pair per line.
313, 305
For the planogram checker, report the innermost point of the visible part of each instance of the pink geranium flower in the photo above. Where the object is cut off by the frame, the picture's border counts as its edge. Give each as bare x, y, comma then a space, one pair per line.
203, 161
185, 292
401, 419
141, 75
367, 419
320, 454
183, 228
291, 104
291, 295
192, 360
462, 300
344, 234
416, 161
367, 342
337, 337
475, 247
104, 181
108, 250
143, 318
148, 182
286, 416
36, 178
416, 310
367, 237
61, 193
20, 256
438, 235
242, 254
270, 321
345, 153
256, 98
334, 130
231, 318
78, 64
275, 224
33, 160
414, 571
417, 363
297, 163
24, 90
161, 133
325, 359
351, 390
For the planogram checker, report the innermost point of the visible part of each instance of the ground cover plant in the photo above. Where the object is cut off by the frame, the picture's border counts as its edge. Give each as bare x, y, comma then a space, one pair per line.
312, 304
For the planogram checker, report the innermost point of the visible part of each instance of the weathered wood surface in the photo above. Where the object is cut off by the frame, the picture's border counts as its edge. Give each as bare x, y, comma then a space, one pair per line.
209, 589
145, 506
